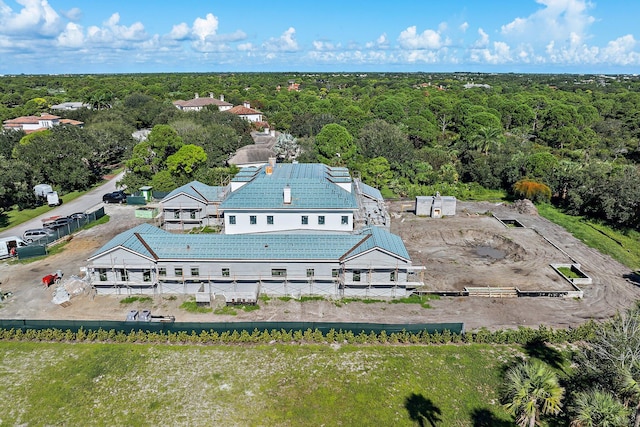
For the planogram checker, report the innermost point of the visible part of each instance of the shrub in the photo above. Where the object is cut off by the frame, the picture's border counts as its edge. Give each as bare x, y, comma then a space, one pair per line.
532, 190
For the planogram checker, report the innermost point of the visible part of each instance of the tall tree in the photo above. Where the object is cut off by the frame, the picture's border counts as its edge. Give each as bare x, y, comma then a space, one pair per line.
335, 145
532, 389
486, 138
597, 408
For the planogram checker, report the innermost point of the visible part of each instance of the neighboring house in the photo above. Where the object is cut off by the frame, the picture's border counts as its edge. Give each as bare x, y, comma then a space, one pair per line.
148, 260
198, 103
44, 121
192, 205
70, 106
256, 154
246, 112
290, 196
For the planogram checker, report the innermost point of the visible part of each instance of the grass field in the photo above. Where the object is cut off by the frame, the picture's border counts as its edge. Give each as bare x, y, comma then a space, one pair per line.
267, 385
624, 248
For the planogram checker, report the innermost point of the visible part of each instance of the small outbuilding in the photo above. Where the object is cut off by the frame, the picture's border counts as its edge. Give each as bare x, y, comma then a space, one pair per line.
435, 206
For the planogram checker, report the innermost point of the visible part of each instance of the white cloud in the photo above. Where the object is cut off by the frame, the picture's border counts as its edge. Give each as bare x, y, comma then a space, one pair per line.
285, 43
246, 47
322, 45
483, 41
72, 36
428, 39
203, 28
382, 42
464, 26
117, 35
35, 17
557, 21
180, 32
204, 34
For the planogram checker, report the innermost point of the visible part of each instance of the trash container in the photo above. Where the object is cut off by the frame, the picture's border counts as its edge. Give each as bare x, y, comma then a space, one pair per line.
132, 316
145, 316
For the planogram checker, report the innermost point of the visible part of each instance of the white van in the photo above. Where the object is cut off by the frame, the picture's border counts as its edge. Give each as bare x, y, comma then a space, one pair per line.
8, 246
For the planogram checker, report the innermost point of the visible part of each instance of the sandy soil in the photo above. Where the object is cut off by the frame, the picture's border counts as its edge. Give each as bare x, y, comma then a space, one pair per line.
470, 249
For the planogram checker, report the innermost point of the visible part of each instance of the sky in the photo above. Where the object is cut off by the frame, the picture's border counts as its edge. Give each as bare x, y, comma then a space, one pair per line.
139, 36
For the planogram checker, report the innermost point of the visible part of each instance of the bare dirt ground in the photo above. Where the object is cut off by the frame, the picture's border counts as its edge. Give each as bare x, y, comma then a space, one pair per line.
470, 249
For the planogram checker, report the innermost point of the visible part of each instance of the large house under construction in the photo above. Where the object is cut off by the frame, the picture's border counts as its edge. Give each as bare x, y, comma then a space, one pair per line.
289, 229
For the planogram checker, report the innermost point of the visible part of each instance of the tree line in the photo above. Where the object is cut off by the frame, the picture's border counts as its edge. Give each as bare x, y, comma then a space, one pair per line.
569, 139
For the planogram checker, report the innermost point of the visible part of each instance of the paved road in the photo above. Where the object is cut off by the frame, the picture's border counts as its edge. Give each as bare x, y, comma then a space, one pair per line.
85, 203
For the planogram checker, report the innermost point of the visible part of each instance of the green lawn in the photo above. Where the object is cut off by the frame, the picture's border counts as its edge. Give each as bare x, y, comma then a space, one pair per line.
269, 385
623, 247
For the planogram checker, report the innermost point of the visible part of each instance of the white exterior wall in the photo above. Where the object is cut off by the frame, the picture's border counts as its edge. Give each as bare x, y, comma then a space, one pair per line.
205, 214
286, 221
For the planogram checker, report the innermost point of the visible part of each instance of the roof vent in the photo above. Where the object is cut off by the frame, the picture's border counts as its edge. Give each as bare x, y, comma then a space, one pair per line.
287, 195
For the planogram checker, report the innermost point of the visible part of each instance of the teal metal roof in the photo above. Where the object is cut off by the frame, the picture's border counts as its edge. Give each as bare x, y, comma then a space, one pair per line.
311, 184
371, 191
330, 247
381, 238
199, 191
128, 240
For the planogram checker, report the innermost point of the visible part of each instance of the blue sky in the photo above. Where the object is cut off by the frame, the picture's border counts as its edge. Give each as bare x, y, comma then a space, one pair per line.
551, 36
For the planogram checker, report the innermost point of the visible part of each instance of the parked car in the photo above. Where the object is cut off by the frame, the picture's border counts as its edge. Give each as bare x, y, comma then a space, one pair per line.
77, 215
57, 223
37, 234
115, 197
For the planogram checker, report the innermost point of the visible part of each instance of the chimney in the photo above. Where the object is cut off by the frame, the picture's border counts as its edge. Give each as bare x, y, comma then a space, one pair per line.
287, 195
221, 97
210, 94
246, 104
266, 131
273, 132
197, 96
272, 161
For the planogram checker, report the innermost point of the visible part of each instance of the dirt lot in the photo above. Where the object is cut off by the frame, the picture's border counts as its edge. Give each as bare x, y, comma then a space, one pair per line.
470, 249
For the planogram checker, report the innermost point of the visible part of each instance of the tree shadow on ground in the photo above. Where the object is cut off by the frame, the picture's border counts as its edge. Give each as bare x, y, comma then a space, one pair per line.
4, 219
422, 410
633, 277
540, 350
483, 417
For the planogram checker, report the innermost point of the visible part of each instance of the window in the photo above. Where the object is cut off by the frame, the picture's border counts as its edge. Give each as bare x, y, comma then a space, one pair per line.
102, 273
232, 219
321, 220
195, 271
192, 214
177, 271
310, 272
305, 220
356, 275
392, 276
176, 214
345, 220
270, 219
225, 272
278, 272
253, 220
162, 271
335, 272
122, 274
146, 275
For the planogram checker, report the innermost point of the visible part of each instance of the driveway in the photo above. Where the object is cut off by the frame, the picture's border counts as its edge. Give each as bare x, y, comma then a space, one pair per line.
84, 203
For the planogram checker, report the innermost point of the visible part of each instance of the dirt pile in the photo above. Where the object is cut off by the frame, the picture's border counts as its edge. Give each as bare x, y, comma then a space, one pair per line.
525, 207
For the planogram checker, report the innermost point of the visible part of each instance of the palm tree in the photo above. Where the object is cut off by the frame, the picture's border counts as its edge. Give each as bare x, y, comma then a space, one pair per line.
486, 138
532, 389
597, 408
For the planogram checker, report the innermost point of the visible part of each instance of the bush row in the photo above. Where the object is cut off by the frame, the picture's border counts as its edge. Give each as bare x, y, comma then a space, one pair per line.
508, 336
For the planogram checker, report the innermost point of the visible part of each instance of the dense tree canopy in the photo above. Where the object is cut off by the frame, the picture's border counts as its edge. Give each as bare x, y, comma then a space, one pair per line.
579, 135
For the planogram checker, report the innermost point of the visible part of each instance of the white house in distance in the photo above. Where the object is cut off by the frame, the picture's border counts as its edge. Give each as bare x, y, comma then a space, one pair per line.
289, 229
198, 103
44, 121
246, 112
193, 205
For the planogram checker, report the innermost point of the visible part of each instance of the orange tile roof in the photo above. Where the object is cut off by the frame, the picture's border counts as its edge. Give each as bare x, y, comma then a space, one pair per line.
241, 110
